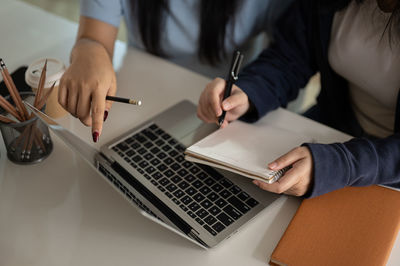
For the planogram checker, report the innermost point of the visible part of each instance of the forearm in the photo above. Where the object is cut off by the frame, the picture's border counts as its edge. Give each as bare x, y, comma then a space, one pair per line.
358, 162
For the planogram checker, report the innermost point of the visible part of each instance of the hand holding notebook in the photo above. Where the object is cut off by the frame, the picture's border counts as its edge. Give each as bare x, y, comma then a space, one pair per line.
246, 149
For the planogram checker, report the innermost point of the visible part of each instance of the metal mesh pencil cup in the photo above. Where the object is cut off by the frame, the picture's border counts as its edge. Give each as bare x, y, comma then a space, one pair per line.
27, 142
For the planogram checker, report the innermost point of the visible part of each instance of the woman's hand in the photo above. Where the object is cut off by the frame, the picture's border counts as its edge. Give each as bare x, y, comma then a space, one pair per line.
86, 83
211, 105
298, 179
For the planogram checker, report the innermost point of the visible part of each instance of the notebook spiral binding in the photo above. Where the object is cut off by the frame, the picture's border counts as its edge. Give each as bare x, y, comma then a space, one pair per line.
278, 174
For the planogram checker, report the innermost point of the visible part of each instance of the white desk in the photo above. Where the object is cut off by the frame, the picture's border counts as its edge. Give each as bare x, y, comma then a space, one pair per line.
61, 212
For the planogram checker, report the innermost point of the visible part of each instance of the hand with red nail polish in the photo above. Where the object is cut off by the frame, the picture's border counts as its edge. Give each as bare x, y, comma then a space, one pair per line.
298, 180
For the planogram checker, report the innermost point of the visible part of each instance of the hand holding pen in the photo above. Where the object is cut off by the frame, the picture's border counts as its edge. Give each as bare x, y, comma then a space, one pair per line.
222, 101
230, 80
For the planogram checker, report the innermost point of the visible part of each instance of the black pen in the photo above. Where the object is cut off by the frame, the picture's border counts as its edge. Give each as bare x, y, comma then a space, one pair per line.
124, 100
230, 79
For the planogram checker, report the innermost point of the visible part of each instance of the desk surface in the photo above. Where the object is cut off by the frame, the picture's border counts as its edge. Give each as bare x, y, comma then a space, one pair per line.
61, 212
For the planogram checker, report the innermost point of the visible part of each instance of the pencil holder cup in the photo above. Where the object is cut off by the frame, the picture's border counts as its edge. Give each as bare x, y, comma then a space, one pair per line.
26, 142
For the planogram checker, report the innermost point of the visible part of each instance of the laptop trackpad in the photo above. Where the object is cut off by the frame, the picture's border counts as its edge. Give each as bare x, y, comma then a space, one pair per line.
198, 133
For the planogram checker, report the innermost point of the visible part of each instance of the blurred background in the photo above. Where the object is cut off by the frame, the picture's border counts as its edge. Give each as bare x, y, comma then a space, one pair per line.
69, 9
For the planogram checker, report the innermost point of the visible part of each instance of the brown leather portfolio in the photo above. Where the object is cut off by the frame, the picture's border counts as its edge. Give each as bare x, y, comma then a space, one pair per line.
350, 226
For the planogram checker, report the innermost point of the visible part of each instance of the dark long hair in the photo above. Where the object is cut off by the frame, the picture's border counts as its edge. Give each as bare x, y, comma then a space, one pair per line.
214, 18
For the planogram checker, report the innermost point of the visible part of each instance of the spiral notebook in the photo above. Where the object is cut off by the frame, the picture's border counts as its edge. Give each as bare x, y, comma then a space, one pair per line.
246, 149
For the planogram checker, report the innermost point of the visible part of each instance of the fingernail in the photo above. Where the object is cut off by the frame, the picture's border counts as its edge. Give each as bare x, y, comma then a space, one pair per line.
272, 165
105, 115
255, 182
95, 136
225, 105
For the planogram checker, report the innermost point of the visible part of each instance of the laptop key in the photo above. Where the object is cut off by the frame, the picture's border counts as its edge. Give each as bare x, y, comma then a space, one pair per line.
161, 155
169, 195
166, 147
198, 197
164, 181
243, 196
171, 187
187, 164
183, 185
235, 189
202, 175
175, 166
238, 204
200, 221
169, 173
191, 191
140, 138
135, 145
190, 178
155, 150
173, 153
211, 231
150, 135
165, 136
179, 193
183, 207
148, 156
194, 170
206, 204
156, 175
210, 220
162, 167
180, 158
180, 148
217, 187
191, 214
150, 169
212, 196
194, 206
130, 153
153, 127
143, 164
160, 142
176, 179
142, 151
161, 188
232, 212
197, 184
148, 144
214, 210
137, 158
221, 203
205, 190
122, 146
155, 162
225, 194
252, 202
183, 172
202, 213
218, 227
186, 200
209, 181
168, 161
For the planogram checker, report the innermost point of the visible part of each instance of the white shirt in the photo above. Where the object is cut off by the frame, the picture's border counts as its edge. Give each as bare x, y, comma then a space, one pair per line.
360, 54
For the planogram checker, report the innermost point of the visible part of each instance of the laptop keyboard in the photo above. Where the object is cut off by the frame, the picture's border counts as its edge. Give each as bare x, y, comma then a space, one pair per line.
212, 200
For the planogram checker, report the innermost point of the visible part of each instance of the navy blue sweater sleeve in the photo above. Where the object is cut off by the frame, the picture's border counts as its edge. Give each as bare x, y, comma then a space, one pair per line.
358, 162
276, 76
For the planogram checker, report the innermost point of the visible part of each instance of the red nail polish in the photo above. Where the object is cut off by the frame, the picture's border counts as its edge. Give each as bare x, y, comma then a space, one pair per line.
95, 136
105, 115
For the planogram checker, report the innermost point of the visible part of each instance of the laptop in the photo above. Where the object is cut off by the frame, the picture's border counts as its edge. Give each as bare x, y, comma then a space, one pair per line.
147, 167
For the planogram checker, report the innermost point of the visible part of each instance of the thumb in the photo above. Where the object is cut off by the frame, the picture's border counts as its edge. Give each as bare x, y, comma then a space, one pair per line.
233, 101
